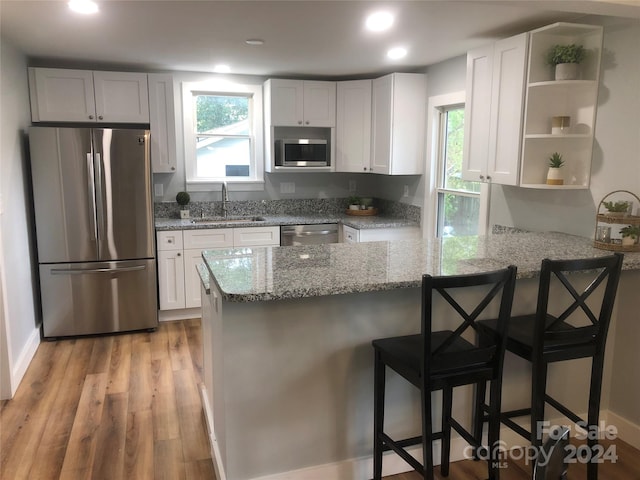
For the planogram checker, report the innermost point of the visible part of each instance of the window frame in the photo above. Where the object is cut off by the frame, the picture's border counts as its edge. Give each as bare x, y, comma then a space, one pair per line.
255, 180
434, 170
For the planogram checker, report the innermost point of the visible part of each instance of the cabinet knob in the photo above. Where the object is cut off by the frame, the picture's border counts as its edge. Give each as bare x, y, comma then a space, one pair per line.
178, 254
90, 117
173, 168
169, 241
299, 122
100, 117
488, 178
365, 169
307, 122
481, 177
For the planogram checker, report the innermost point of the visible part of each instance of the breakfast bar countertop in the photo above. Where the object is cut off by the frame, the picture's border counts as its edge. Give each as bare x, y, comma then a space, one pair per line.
277, 273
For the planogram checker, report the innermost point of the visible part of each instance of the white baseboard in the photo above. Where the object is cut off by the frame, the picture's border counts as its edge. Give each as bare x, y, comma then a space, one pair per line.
627, 431
24, 360
216, 456
181, 314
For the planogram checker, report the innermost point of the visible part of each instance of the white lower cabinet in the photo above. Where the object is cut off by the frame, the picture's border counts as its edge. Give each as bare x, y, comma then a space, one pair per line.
354, 235
179, 252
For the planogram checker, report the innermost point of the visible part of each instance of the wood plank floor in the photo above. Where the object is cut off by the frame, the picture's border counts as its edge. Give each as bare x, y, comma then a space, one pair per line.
128, 407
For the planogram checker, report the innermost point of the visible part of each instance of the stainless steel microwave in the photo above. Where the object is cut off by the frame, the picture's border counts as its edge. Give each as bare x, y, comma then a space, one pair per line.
302, 152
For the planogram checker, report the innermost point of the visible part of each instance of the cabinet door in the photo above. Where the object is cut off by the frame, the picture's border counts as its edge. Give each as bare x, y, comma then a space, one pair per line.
507, 100
162, 123
350, 234
256, 236
61, 95
208, 238
319, 104
477, 113
286, 102
121, 97
381, 122
171, 279
169, 240
192, 282
353, 126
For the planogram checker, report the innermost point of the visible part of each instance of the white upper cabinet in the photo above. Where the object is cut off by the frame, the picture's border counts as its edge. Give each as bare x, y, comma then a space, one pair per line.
162, 123
398, 112
547, 98
63, 95
353, 126
301, 103
494, 111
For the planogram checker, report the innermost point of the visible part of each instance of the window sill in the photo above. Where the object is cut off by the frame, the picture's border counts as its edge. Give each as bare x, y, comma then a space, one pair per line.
251, 185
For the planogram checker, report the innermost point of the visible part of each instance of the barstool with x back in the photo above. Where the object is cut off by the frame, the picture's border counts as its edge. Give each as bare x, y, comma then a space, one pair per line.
579, 331
442, 360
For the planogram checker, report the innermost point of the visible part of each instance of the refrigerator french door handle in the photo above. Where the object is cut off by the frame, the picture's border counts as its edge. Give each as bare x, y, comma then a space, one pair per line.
91, 187
82, 271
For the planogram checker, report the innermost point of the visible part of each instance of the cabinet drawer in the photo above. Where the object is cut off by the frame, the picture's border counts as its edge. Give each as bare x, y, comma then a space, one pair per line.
169, 240
208, 238
349, 234
256, 236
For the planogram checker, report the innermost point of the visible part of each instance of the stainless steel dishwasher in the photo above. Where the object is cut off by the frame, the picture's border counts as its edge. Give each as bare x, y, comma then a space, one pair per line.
308, 234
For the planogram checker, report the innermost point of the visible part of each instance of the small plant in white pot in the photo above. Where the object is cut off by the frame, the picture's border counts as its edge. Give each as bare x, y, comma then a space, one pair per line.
554, 175
617, 209
183, 200
630, 235
565, 59
354, 203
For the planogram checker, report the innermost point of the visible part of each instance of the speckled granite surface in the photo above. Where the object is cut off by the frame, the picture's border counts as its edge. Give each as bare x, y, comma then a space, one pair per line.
378, 221
275, 273
288, 212
203, 271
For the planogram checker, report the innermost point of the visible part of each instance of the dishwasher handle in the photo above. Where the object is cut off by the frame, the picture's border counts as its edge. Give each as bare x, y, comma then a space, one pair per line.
291, 233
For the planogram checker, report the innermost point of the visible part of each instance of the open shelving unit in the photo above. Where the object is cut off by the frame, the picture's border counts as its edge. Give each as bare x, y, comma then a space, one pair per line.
546, 98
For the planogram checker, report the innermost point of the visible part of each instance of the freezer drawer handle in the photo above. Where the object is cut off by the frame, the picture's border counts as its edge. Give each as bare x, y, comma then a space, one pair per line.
308, 234
81, 271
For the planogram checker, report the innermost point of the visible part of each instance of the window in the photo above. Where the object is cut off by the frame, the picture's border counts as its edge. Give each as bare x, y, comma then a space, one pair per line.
458, 201
223, 135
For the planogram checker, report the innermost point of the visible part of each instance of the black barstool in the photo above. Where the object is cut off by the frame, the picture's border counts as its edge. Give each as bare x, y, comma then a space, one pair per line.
442, 360
579, 331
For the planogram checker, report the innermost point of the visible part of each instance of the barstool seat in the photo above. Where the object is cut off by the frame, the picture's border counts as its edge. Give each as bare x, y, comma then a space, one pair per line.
442, 360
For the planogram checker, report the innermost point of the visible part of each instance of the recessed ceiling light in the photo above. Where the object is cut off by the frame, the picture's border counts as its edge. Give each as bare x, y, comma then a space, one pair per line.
222, 68
83, 6
254, 41
379, 21
397, 53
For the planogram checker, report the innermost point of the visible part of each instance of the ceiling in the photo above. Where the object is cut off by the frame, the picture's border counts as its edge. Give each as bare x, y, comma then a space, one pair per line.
302, 38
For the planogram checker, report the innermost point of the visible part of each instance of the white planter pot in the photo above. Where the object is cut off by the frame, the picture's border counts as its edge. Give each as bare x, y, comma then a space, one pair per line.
567, 71
628, 241
184, 213
554, 177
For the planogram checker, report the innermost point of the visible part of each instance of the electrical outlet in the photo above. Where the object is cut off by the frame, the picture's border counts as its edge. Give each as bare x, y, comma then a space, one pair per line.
288, 187
406, 191
352, 186
158, 189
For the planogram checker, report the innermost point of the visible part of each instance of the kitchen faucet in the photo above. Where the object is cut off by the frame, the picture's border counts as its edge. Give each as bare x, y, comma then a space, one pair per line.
225, 199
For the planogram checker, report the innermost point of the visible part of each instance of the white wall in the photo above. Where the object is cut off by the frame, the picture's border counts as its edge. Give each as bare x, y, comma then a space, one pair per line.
19, 335
616, 158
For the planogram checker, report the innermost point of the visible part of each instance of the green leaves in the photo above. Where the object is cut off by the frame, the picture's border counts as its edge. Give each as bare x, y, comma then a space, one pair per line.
566, 54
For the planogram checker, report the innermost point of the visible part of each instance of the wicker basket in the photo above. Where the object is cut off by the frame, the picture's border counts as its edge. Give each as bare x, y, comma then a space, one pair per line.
614, 219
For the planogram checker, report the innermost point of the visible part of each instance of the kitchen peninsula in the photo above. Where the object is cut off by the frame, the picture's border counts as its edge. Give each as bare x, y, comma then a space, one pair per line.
287, 340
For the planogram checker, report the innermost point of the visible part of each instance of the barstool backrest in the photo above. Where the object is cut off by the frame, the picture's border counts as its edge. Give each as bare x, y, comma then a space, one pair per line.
447, 356
589, 320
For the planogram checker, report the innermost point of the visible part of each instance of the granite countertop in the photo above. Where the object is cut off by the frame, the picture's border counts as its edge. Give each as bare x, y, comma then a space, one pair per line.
276, 273
366, 222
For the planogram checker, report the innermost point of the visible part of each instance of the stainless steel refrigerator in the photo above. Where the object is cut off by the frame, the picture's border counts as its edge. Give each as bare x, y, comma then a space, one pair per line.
95, 230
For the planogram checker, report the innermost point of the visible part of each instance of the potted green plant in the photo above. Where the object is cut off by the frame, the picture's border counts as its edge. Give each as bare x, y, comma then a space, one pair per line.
617, 209
565, 59
630, 235
354, 203
554, 175
183, 200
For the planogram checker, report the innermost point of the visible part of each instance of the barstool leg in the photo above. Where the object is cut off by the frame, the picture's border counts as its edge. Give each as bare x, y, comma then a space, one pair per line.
538, 392
595, 392
493, 435
445, 446
378, 415
427, 429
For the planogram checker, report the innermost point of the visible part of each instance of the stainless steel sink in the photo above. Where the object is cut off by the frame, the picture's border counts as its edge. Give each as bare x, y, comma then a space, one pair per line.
251, 219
